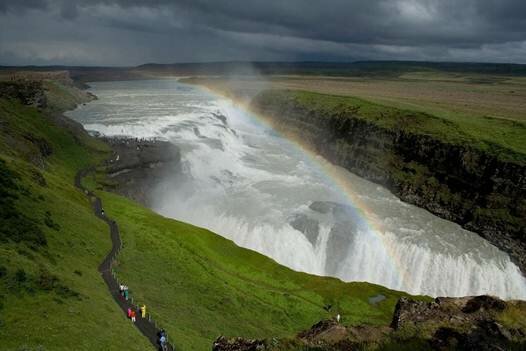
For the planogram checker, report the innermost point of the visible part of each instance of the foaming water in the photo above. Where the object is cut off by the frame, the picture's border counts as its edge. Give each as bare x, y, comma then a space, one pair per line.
246, 182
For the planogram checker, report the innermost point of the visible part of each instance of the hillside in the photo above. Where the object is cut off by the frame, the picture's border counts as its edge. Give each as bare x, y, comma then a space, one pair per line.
52, 297
199, 285
195, 283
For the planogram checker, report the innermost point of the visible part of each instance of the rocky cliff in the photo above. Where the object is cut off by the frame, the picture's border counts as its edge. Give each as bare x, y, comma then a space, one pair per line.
478, 187
138, 166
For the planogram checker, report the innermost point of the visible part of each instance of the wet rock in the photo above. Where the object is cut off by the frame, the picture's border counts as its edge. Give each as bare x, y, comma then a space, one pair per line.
138, 166
341, 238
220, 117
330, 207
308, 226
322, 206
342, 234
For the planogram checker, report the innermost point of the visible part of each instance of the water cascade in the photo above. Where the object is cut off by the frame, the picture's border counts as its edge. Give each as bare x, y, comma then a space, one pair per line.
243, 180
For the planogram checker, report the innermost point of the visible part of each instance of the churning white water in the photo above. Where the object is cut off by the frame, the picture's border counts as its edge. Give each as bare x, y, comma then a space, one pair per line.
244, 181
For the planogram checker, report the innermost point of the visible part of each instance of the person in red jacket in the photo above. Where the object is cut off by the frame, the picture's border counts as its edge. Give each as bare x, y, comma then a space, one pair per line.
132, 315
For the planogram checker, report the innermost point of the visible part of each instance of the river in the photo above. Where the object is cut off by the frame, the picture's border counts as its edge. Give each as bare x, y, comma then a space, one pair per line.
244, 181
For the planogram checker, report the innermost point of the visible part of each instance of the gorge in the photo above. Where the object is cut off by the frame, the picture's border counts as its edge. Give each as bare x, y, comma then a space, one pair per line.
245, 181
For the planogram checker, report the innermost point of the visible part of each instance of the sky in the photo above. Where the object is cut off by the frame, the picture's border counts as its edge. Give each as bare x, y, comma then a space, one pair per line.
133, 32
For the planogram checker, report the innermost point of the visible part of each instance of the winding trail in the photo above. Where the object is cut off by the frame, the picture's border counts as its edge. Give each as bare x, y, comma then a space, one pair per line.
146, 326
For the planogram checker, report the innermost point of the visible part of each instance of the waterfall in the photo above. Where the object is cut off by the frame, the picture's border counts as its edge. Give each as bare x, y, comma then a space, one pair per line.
244, 181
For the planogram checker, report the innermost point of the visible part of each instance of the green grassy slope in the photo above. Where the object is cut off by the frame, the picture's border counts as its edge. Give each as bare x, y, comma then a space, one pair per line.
52, 296
200, 285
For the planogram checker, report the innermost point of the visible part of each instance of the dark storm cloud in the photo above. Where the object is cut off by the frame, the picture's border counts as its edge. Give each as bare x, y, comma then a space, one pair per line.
134, 31
16, 6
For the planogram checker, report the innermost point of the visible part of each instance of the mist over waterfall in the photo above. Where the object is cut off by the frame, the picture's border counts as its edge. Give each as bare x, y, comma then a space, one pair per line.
247, 183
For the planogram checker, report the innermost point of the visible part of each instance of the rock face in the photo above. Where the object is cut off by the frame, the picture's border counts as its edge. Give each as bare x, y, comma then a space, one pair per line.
139, 165
28, 92
469, 323
477, 189
454, 311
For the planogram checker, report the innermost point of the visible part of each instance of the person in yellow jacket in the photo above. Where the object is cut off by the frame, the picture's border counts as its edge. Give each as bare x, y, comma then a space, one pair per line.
143, 311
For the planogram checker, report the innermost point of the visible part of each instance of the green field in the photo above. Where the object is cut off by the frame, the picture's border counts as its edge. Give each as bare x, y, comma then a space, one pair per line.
501, 137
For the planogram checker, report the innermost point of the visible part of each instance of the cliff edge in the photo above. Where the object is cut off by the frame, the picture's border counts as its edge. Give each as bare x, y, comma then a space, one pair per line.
424, 160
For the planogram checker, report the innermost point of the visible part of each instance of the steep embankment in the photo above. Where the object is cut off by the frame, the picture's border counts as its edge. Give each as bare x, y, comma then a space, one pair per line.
199, 285
425, 160
51, 294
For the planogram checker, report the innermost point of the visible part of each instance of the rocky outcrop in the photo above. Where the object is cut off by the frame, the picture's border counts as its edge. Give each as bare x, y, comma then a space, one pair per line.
481, 190
28, 92
238, 344
138, 166
469, 323
453, 311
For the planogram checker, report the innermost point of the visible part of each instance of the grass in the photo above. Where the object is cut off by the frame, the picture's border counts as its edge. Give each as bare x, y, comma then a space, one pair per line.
513, 316
52, 296
504, 138
200, 285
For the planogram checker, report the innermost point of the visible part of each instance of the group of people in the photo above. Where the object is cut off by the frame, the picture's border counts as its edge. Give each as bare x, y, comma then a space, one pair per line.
123, 290
141, 310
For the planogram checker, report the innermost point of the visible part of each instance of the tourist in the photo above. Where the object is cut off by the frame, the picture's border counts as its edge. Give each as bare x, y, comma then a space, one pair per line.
338, 318
161, 333
132, 315
143, 311
129, 312
126, 293
162, 342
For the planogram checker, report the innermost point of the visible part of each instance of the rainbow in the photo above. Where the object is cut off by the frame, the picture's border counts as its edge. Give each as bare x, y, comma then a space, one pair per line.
336, 177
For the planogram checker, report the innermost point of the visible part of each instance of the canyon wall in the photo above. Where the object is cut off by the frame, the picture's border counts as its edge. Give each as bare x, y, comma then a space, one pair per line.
476, 188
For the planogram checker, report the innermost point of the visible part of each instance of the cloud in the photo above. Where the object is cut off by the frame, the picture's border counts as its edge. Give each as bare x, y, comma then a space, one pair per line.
128, 32
22, 5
